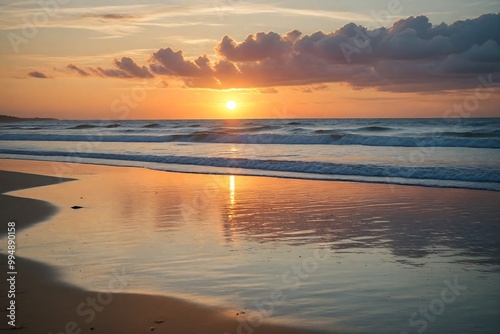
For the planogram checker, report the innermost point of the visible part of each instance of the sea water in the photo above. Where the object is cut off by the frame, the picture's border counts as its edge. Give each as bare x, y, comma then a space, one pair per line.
463, 153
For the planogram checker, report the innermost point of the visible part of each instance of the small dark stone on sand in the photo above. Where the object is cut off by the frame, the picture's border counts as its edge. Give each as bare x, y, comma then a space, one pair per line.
76, 207
159, 321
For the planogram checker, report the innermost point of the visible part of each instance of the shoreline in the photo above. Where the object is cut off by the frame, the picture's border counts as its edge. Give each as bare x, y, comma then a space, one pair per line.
14, 208
274, 174
44, 303
180, 238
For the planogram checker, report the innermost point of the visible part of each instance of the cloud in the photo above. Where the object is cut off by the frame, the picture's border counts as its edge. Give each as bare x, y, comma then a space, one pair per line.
77, 70
413, 38
198, 73
269, 90
38, 75
257, 47
173, 63
411, 55
162, 84
110, 73
113, 16
128, 66
310, 89
259, 9
321, 87
110, 21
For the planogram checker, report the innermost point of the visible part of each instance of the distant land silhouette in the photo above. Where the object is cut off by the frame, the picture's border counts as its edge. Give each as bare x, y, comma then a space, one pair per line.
7, 119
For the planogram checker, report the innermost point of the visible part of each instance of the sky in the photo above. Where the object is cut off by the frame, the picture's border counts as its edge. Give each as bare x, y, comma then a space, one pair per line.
105, 59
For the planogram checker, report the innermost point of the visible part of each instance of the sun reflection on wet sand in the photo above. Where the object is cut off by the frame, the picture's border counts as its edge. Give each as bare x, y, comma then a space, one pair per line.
232, 188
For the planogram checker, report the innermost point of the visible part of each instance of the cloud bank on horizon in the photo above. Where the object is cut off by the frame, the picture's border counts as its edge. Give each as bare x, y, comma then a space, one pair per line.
411, 55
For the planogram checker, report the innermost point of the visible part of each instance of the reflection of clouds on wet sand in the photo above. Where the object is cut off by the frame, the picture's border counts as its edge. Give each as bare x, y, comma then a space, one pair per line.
412, 222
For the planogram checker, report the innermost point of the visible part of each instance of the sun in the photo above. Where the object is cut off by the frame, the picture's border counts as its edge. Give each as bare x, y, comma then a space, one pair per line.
231, 105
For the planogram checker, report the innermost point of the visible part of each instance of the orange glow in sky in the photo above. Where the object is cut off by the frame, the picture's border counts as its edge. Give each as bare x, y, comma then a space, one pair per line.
99, 60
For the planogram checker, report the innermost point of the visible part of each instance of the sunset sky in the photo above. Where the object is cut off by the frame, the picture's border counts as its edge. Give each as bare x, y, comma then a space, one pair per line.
105, 59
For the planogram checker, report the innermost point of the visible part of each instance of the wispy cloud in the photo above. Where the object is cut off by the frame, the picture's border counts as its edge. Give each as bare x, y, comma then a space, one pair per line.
113, 16
111, 21
123, 20
248, 9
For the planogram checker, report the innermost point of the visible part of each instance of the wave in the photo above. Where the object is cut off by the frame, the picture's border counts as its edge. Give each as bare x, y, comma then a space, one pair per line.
216, 137
21, 127
448, 173
152, 125
361, 129
375, 128
83, 126
304, 121
323, 131
91, 126
472, 134
255, 128
299, 129
186, 126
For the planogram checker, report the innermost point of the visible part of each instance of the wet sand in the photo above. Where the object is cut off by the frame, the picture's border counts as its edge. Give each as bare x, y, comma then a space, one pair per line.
45, 304
205, 239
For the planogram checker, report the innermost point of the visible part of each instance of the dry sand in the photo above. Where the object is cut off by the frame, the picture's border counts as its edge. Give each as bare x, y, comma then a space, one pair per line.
45, 304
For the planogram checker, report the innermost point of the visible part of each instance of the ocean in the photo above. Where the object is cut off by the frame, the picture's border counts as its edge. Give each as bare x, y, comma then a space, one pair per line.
369, 256
458, 153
